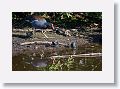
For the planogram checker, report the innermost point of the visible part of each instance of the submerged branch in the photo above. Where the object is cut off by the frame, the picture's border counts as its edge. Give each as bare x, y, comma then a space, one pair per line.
79, 55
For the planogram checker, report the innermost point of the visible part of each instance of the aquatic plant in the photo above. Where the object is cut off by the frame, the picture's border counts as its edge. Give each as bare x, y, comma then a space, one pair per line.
58, 64
69, 63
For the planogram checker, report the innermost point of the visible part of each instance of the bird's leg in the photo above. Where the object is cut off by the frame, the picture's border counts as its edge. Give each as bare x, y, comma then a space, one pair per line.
43, 32
33, 32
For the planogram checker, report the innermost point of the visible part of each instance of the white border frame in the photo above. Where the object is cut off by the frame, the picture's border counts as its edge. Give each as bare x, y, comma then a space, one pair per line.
104, 76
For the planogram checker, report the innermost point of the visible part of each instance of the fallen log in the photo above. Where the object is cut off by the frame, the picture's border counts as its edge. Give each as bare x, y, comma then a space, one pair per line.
21, 30
36, 42
78, 55
40, 42
30, 29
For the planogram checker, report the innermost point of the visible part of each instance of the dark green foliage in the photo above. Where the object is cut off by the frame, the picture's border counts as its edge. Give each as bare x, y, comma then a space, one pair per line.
62, 19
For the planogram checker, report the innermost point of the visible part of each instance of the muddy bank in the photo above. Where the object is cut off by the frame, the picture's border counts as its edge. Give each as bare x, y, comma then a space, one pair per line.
18, 49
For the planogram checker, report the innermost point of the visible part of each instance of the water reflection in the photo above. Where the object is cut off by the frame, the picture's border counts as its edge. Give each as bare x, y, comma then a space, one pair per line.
39, 63
39, 60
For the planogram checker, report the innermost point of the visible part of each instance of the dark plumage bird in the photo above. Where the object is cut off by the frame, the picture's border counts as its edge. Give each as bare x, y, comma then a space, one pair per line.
55, 44
29, 34
59, 31
73, 45
39, 22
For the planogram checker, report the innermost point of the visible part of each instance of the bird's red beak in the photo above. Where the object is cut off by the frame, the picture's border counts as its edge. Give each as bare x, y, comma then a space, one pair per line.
53, 26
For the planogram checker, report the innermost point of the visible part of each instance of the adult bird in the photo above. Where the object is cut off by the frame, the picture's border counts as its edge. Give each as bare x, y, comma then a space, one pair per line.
39, 22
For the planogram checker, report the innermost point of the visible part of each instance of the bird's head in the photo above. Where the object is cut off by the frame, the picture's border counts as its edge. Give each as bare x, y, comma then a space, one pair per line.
50, 25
